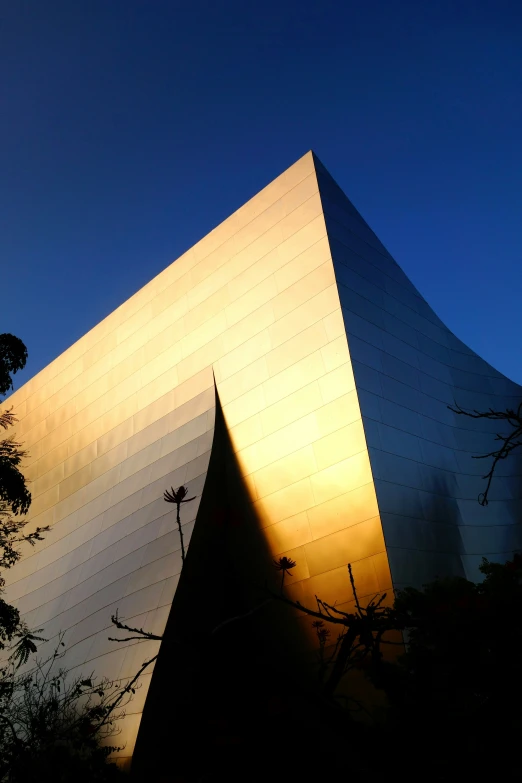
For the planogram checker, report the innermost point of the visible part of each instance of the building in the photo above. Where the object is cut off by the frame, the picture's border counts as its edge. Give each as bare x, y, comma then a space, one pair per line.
334, 378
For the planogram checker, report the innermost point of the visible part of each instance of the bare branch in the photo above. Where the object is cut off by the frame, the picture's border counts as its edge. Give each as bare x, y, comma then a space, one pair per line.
129, 688
142, 634
305, 609
508, 442
354, 591
241, 616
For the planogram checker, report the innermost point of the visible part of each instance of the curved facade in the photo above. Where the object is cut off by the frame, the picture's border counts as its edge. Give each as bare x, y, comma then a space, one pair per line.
408, 368
334, 377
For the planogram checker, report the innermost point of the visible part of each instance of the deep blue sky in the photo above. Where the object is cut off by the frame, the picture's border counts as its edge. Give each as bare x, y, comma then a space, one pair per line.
130, 129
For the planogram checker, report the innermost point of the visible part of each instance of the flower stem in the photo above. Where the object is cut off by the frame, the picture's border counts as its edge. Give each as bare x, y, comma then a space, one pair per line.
178, 520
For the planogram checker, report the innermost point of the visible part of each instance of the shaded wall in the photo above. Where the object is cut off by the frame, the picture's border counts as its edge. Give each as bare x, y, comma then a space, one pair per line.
408, 368
231, 660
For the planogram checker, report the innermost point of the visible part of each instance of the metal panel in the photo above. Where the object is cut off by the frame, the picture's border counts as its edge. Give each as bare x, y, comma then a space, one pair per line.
412, 407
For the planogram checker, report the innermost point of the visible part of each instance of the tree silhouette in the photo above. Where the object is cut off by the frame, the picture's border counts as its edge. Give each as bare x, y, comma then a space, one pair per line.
15, 499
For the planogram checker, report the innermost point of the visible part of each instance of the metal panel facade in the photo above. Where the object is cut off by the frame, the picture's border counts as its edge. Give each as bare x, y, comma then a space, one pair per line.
408, 368
303, 319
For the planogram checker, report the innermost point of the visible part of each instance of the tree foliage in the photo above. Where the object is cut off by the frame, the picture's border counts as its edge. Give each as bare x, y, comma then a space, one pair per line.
13, 356
12, 534
55, 727
14, 494
454, 685
463, 650
15, 499
464, 645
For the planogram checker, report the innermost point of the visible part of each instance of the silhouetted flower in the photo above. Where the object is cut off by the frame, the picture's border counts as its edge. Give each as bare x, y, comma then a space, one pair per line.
323, 634
284, 564
177, 496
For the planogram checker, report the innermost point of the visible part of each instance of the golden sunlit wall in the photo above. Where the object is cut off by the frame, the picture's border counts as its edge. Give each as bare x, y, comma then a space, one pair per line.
129, 410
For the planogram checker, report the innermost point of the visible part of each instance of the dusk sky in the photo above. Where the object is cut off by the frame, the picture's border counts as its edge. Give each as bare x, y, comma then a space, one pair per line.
130, 129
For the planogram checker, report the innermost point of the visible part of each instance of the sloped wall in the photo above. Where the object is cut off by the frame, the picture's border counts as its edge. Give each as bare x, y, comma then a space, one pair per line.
129, 410
408, 368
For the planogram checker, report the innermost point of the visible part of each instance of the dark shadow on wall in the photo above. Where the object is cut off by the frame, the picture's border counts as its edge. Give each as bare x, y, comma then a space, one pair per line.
427, 543
238, 689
